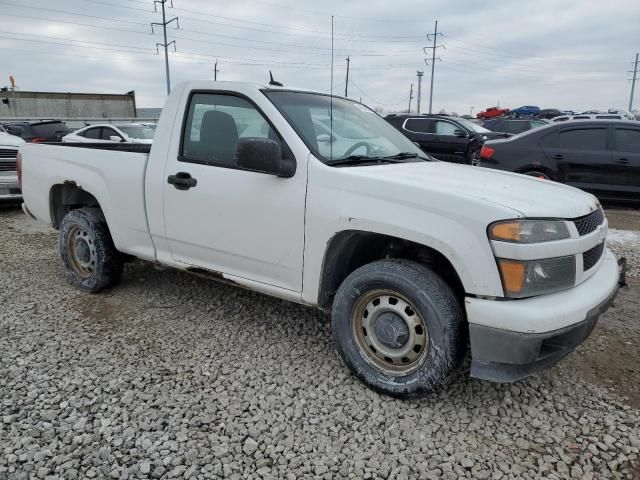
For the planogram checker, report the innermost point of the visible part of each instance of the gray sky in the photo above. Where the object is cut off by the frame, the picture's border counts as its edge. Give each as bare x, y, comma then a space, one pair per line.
570, 54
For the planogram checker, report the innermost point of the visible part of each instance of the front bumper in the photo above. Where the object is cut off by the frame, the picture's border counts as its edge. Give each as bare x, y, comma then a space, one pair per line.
9, 188
541, 330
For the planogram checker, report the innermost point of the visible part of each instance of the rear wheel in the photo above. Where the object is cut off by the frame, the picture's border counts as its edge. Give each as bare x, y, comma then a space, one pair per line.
87, 250
398, 327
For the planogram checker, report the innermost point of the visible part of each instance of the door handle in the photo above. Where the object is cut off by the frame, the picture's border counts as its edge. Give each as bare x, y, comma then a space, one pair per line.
558, 156
623, 161
182, 181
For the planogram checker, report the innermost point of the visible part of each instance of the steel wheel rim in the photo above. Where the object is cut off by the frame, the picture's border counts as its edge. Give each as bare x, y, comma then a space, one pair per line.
376, 323
82, 251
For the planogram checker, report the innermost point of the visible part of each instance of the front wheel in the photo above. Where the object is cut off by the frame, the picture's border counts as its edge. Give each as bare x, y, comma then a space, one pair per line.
87, 250
399, 327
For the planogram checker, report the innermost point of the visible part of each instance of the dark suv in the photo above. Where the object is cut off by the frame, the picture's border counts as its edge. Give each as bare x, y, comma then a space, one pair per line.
36, 132
446, 138
600, 156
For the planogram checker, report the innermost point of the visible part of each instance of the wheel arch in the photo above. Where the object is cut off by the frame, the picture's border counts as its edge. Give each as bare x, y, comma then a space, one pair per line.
350, 249
67, 196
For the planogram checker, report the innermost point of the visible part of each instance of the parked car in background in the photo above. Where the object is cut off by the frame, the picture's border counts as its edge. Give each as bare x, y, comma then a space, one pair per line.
513, 125
600, 156
112, 133
602, 116
524, 111
38, 131
492, 112
452, 139
549, 113
9, 188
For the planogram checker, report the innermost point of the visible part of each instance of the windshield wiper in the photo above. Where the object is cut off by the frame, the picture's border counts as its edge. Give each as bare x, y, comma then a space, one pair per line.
354, 159
405, 156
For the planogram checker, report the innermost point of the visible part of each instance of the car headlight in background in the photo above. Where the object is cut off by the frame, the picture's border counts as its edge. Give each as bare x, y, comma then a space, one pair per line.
527, 278
529, 231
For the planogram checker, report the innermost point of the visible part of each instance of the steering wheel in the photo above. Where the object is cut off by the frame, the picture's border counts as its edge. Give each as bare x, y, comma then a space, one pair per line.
356, 146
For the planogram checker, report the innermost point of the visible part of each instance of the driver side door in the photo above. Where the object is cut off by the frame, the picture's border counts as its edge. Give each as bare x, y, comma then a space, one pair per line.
230, 220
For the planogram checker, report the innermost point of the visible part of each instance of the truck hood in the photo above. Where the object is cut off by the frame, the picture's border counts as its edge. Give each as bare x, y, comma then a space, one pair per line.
528, 196
10, 140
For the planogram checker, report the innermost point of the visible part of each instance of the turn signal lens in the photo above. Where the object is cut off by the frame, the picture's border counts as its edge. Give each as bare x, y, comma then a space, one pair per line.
513, 273
509, 231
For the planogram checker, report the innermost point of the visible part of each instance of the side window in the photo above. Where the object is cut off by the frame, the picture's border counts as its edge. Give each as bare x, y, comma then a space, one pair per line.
419, 125
536, 123
93, 133
107, 133
445, 128
215, 123
578, 139
627, 140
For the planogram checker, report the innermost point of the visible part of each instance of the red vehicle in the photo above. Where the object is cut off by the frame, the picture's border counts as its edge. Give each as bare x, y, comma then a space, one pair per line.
492, 112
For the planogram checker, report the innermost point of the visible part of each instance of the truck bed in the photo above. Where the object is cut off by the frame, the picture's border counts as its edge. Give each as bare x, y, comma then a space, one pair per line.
117, 147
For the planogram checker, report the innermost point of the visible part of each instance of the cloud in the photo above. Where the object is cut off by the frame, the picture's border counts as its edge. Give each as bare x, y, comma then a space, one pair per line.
570, 54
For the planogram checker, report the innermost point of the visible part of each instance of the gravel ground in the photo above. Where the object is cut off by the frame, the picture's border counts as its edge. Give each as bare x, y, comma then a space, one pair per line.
171, 376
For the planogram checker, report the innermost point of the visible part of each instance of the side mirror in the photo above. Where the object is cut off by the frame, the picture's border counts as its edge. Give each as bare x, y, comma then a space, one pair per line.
115, 138
459, 133
265, 156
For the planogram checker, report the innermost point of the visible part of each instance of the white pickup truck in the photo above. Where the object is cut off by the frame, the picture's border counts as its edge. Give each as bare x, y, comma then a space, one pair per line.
413, 257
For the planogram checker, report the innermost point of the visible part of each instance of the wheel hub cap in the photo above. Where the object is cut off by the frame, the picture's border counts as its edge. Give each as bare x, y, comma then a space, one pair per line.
391, 329
82, 251
390, 332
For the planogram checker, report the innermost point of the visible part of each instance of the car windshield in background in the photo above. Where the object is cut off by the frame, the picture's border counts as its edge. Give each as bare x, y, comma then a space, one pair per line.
353, 132
474, 127
137, 132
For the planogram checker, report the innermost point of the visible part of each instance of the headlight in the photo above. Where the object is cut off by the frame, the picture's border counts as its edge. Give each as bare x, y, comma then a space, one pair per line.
529, 231
536, 277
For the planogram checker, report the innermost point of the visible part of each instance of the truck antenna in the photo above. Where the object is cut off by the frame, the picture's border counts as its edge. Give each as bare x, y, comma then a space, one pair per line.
273, 82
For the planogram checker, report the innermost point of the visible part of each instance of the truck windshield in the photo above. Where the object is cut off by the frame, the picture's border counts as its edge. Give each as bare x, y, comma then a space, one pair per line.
343, 129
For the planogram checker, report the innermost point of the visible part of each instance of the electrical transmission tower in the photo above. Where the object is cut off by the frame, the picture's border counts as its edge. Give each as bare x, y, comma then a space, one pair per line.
633, 82
410, 98
433, 59
419, 74
166, 44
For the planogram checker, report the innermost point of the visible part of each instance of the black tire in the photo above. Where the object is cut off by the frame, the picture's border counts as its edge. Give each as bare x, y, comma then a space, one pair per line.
432, 299
473, 156
87, 251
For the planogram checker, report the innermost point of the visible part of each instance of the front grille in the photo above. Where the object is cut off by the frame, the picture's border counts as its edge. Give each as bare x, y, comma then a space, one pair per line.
591, 257
589, 223
7, 166
8, 153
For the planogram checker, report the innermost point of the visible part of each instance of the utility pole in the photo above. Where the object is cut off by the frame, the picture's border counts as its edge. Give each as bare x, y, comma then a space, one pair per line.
633, 82
215, 71
346, 84
433, 60
166, 44
410, 98
419, 74
471, 111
